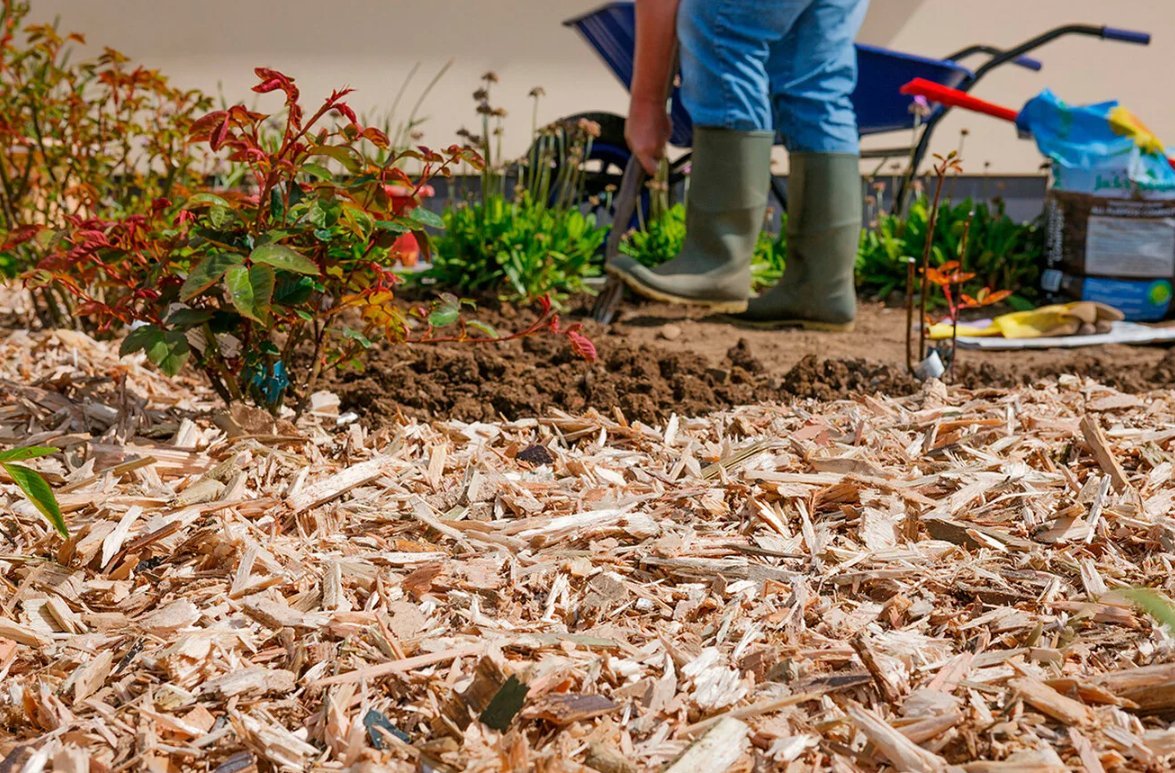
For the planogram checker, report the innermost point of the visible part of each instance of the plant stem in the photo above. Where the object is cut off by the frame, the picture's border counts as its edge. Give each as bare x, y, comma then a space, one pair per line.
928, 247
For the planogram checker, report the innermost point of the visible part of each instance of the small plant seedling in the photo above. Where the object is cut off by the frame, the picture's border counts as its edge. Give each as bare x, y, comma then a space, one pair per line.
33, 485
1155, 604
948, 277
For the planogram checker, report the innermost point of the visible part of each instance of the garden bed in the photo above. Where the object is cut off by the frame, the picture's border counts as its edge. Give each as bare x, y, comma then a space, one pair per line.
658, 360
915, 582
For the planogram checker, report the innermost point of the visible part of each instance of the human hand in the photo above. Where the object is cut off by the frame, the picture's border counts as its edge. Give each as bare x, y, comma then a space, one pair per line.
647, 132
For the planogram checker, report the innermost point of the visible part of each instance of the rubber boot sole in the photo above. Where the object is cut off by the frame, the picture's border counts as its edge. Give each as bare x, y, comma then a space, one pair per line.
785, 324
718, 307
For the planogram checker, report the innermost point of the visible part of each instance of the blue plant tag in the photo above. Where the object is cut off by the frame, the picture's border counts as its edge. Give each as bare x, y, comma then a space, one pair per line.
270, 384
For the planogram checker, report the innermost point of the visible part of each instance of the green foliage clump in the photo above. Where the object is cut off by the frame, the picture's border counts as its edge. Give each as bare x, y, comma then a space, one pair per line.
522, 248
537, 243
1001, 252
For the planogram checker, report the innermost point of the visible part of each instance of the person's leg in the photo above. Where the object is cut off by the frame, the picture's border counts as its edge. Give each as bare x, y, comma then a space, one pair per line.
813, 73
724, 48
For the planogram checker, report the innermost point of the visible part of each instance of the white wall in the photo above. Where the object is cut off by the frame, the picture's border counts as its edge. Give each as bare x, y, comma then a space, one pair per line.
372, 44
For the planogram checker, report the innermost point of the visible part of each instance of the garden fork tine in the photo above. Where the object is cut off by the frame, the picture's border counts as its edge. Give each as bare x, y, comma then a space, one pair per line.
630, 190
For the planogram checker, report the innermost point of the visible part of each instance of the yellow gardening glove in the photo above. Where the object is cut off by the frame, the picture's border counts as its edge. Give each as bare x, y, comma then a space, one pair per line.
1065, 319
1084, 317
941, 331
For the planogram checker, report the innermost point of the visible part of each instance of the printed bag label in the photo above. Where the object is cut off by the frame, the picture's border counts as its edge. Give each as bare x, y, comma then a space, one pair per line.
1134, 247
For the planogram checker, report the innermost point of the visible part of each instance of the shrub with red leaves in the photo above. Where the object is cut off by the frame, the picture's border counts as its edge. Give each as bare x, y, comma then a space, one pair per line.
265, 289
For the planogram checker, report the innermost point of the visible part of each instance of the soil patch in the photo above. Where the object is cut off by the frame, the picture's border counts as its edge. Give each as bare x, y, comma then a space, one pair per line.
537, 375
659, 360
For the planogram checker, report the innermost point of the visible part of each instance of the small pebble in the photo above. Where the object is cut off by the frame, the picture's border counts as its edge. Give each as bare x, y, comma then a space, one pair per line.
670, 332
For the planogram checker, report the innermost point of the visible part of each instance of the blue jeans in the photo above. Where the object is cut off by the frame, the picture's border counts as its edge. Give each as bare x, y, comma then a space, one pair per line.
744, 62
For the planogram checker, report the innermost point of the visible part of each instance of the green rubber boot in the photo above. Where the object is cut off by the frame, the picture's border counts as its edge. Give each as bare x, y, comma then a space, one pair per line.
724, 211
817, 291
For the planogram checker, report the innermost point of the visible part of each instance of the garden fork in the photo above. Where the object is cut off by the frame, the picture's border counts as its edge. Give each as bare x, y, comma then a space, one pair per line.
626, 198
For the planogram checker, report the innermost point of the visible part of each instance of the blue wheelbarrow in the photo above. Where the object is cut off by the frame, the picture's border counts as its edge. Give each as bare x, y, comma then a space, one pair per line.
879, 103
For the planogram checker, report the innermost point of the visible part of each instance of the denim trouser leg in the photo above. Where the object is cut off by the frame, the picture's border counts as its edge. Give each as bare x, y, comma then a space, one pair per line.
744, 60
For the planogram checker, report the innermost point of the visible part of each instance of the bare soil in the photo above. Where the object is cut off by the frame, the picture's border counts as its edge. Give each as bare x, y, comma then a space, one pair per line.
656, 360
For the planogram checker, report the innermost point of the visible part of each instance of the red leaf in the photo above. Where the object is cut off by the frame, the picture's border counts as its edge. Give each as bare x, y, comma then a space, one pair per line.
581, 344
376, 137
19, 236
203, 127
273, 84
221, 134
986, 297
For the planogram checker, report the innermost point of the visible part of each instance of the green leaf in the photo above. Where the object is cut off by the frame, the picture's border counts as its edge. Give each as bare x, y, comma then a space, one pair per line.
348, 157
251, 290
168, 349
206, 200
218, 216
1154, 604
321, 215
26, 452
355, 335
426, 217
189, 317
1019, 303
207, 273
277, 207
271, 237
281, 256
292, 290
38, 492
483, 328
317, 171
139, 339
392, 226
445, 314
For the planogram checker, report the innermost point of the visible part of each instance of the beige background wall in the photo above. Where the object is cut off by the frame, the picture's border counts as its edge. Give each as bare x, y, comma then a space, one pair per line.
373, 44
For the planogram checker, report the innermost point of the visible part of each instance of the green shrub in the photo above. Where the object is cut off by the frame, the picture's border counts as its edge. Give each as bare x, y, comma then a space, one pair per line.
536, 244
522, 249
1002, 253
266, 291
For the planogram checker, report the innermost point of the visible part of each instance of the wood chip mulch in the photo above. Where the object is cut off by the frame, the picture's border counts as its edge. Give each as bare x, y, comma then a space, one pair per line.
938, 582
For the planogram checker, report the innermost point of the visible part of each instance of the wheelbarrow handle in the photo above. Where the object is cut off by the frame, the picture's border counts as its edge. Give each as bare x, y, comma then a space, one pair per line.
1028, 63
936, 92
1126, 36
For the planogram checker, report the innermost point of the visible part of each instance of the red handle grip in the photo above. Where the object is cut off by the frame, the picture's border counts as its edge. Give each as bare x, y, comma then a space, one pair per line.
936, 92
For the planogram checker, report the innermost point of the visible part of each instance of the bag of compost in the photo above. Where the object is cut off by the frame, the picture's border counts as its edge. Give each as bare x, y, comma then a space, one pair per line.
1120, 252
